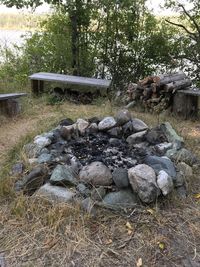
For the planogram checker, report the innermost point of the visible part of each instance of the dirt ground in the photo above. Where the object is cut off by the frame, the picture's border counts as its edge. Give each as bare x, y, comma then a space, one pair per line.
35, 233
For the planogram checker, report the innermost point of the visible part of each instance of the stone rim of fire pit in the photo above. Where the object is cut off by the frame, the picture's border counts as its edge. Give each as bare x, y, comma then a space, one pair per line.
115, 162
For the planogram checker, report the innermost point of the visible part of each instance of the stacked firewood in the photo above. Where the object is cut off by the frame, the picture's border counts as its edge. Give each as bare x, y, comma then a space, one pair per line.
155, 93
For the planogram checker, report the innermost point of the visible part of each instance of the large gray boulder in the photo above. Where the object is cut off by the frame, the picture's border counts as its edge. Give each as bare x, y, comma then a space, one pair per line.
171, 135
120, 199
63, 175
136, 137
161, 163
143, 181
96, 173
120, 177
122, 117
165, 183
139, 125
55, 193
107, 123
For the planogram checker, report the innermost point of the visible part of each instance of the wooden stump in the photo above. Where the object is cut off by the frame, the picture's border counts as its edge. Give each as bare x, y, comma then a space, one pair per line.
185, 105
10, 107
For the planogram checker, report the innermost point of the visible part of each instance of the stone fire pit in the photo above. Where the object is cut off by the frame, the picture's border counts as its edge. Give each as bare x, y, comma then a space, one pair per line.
116, 162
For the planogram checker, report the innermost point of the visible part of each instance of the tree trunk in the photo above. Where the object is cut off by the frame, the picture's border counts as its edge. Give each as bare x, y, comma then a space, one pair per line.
74, 41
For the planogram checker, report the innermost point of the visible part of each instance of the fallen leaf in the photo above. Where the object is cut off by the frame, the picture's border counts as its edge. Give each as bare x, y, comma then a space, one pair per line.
151, 211
139, 262
108, 242
130, 232
49, 243
161, 245
197, 196
129, 226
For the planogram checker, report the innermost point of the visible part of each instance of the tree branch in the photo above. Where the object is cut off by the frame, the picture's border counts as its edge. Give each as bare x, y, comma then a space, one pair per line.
192, 34
191, 18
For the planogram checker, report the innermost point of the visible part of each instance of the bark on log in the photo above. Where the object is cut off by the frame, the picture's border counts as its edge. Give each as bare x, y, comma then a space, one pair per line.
168, 78
174, 86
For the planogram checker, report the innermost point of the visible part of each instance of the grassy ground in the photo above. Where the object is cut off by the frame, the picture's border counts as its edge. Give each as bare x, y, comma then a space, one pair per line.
40, 234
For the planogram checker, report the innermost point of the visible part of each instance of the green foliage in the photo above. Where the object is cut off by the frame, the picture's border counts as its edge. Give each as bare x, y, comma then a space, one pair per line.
107, 39
188, 24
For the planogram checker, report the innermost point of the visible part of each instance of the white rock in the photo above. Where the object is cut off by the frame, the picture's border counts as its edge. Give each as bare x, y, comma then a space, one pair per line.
55, 193
96, 173
32, 161
163, 147
107, 123
82, 125
143, 181
42, 141
164, 182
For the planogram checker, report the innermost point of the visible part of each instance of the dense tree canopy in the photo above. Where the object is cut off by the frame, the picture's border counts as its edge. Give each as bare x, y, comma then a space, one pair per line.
115, 38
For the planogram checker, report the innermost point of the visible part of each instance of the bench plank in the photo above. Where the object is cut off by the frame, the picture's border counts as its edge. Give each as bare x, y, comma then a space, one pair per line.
11, 96
69, 79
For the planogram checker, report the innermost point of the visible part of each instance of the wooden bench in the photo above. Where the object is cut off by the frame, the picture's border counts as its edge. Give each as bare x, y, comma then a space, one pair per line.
187, 102
9, 104
38, 80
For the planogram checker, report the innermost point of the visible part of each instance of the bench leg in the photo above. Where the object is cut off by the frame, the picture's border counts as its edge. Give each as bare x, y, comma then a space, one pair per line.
10, 107
37, 87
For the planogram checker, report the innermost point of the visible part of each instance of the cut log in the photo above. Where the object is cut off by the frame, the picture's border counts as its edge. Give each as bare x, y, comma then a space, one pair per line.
168, 78
174, 86
146, 81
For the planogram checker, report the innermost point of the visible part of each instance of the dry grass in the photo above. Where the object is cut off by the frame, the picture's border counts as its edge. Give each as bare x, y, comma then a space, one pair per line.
37, 233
